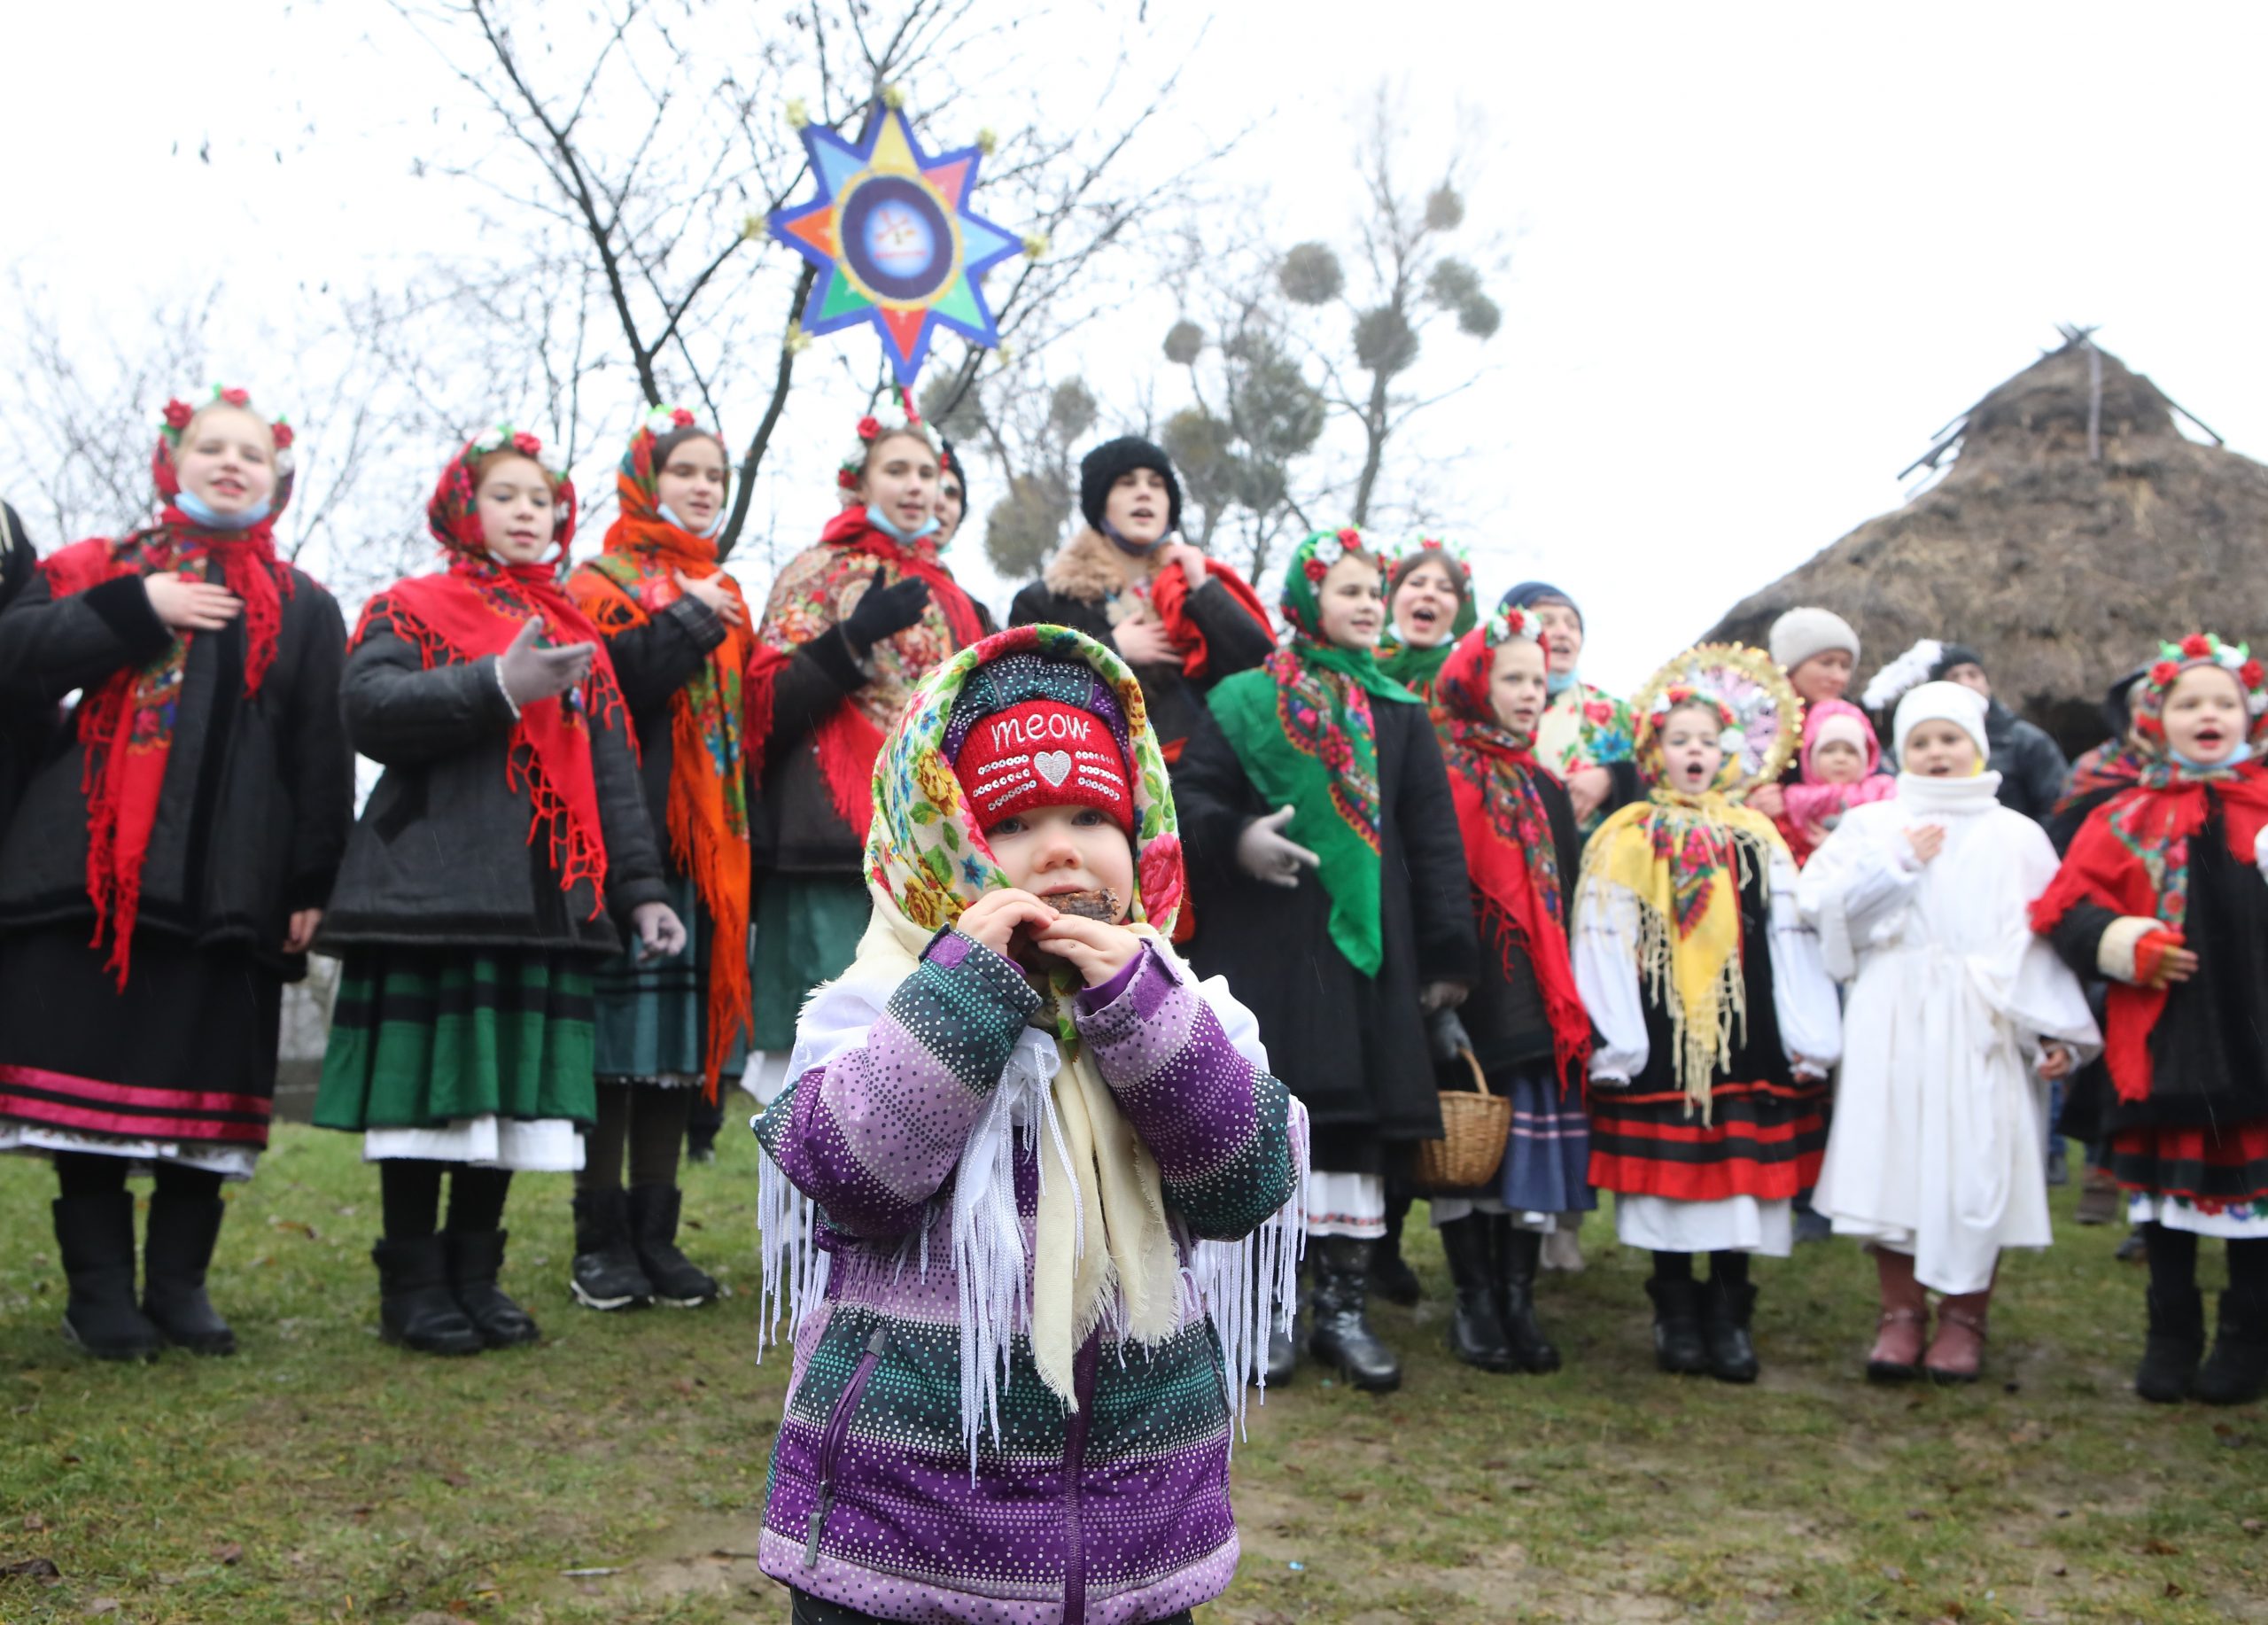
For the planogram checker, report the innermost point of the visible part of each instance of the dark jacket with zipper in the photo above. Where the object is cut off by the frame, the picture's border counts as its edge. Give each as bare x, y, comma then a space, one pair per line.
443, 855
258, 791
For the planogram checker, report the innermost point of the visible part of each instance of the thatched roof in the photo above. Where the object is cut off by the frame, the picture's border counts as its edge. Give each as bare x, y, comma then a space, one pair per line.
2062, 571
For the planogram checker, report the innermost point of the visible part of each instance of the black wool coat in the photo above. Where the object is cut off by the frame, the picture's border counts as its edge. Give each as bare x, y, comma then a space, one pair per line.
652, 662
442, 856
258, 793
1352, 1048
2032, 770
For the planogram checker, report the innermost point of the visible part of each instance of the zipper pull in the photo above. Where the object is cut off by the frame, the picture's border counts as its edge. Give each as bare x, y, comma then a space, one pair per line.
818, 1523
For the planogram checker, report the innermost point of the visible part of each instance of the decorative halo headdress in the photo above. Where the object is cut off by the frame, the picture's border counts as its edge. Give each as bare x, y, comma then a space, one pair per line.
1762, 718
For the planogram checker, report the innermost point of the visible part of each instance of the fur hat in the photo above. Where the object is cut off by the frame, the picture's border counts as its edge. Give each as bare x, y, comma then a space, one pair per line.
1100, 471
1802, 634
1943, 701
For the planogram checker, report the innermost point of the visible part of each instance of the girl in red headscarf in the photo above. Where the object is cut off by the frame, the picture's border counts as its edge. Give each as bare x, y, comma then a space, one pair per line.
852, 626
492, 866
165, 870
677, 631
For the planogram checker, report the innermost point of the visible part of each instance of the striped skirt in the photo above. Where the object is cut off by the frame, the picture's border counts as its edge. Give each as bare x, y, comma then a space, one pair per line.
422, 1038
1764, 1140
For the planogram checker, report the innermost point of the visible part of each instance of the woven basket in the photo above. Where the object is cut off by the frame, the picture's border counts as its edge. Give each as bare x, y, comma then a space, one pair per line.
1475, 1125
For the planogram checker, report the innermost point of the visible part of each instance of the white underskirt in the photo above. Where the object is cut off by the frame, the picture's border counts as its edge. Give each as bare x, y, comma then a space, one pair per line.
233, 1162
1346, 1205
547, 1145
1731, 1224
2143, 1208
767, 1076
1448, 1210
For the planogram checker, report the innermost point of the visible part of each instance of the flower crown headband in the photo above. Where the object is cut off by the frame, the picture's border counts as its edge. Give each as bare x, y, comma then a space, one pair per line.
1685, 696
1509, 623
503, 437
1334, 546
179, 413
2201, 648
1455, 552
884, 421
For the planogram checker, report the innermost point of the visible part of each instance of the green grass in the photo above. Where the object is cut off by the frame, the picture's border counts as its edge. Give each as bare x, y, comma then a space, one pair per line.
321, 1475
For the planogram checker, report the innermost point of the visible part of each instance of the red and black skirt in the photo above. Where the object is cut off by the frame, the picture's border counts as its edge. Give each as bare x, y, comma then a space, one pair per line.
2211, 1168
1764, 1140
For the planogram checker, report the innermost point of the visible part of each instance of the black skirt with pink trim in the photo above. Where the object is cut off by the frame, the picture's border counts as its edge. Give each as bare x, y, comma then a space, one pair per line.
185, 1052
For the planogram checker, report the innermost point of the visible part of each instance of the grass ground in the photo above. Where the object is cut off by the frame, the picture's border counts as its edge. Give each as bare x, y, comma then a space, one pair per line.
615, 1472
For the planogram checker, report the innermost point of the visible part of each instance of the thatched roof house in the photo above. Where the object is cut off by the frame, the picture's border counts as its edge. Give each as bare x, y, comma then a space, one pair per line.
2060, 564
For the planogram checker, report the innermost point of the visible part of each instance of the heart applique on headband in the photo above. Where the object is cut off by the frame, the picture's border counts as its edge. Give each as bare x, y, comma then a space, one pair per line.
1053, 765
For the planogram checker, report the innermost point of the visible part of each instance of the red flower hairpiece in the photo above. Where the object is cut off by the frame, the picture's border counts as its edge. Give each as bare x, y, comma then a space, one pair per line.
282, 432
526, 444
177, 414
235, 397
1316, 569
2195, 646
868, 428
847, 478
682, 418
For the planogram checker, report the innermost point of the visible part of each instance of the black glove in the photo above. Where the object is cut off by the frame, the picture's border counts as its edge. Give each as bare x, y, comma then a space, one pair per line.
1446, 1036
885, 611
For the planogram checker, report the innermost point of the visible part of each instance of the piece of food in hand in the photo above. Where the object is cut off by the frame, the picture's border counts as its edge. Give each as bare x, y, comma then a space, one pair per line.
1101, 904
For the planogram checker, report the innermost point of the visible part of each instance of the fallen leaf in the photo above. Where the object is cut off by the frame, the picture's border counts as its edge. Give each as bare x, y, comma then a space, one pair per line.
2252, 1525
34, 1522
231, 1552
301, 1226
2156, 1548
2060, 1570
456, 1481
2172, 1589
31, 1568
103, 1605
1893, 1573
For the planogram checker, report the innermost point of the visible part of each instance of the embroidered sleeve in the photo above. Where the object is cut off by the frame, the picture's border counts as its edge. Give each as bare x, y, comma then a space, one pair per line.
1217, 1122
872, 1134
1606, 974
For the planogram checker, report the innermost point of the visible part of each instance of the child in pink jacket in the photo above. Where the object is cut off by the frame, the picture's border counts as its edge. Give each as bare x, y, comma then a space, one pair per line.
1840, 760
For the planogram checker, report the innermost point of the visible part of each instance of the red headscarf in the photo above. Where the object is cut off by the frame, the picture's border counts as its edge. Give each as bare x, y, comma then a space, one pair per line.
475, 609
126, 722
631, 583
1519, 891
2133, 853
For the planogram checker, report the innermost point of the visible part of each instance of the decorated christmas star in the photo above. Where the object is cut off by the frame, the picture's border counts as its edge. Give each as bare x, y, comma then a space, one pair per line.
894, 239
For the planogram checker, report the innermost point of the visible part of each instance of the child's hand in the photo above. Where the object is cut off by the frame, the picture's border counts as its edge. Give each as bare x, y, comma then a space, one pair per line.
2055, 1062
1096, 951
712, 592
995, 918
1926, 840
1768, 800
1143, 642
1588, 788
2171, 964
186, 605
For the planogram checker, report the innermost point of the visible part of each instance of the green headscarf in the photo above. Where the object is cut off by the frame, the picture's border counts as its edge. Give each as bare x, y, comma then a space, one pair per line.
1301, 724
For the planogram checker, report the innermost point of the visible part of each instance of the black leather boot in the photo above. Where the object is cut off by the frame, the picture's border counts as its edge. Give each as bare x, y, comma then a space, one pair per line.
1728, 1308
173, 1260
2236, 1372
606, 1273
1476, 1330
677, 1279
1518, 1253
1391, 1276
2175, 1346
415, 1306
96, 1236
1342, 1337
474, 1258
1678, 1347
1283, 1336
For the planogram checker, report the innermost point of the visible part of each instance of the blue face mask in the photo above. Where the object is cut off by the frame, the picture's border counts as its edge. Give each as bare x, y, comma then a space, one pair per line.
1134, 549
881, 522
1556, 683
202, 513
669, 517
2242, 753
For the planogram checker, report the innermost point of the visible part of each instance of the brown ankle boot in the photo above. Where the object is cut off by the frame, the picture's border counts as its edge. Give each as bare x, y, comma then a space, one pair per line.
1905, 1322
1957, 1352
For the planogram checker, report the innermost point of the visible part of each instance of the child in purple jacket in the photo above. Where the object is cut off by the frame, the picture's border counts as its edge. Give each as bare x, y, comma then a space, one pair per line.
1053, 1180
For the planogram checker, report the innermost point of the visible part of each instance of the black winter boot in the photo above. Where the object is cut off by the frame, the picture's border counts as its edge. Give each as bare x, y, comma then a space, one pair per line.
96, 1236
1391, 1276
1343, 1335
1282, 1335
2176, 1344
1518, 1253
1678, 1347
606, 1273
677, 1279
1476, 1329
415, 1306
2236, 1372
173, 1259
475, 1257
1726, 1309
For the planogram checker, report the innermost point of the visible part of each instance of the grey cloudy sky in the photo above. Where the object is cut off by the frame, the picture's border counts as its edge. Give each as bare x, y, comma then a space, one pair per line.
1759, 251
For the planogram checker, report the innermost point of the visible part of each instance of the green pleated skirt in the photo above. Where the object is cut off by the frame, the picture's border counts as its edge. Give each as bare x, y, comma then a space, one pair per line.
653, 1016
807, 932
422, 1038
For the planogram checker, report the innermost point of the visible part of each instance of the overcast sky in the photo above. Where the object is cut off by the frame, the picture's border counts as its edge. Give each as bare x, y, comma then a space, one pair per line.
1759, 253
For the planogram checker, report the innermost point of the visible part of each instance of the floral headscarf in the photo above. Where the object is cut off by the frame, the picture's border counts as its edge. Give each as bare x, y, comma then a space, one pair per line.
126, 720
1302, 726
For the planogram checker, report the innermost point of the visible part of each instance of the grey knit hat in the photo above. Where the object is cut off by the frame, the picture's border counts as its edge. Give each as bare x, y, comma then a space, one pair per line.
1801, 633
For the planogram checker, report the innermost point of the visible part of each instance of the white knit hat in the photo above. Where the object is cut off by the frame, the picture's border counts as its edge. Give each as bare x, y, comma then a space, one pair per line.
1943, 701
1801, 633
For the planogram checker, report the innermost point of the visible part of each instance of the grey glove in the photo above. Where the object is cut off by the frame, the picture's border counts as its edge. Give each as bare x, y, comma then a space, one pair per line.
1446, 1036
660, 932
530, 672
1264, 853
885, 611
1442, 996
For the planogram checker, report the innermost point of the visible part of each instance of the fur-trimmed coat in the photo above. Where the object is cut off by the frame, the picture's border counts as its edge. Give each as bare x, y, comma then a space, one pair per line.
1091, 586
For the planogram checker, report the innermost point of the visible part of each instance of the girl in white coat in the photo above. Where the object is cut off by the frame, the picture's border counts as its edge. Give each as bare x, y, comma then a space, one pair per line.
1957, 1018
